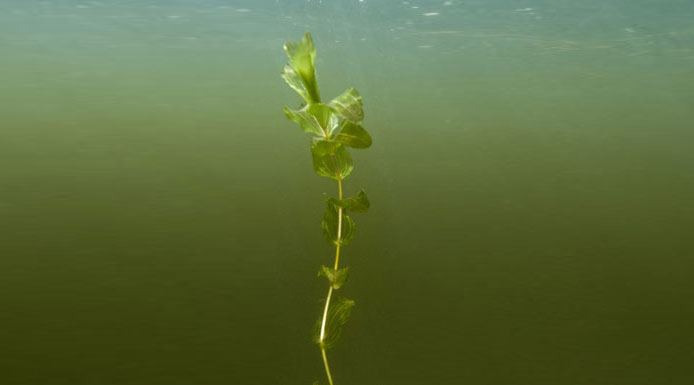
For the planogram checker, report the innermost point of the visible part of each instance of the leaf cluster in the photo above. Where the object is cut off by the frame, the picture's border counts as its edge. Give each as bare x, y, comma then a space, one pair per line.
333, 126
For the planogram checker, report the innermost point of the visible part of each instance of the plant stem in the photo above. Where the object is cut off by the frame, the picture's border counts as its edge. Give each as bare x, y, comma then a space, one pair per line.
330, 290
322, 336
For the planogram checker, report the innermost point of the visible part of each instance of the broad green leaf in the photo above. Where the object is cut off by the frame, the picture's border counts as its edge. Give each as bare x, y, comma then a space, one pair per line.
294, 81
353, 135
322, 147
317, 119
337, 278
325, 117
333, 166
358, 203
338, 313
306, 120
332, 226
302, 56
349, 105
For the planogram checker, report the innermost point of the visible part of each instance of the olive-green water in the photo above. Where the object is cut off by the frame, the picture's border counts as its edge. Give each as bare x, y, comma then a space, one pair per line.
531, 180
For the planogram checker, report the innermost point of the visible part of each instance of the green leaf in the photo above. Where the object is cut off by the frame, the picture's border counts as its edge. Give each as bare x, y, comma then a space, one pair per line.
294, 81
306, 120
325, 117
349, 105
302, 57
331, 225
332, 125
337, 278
338, 313
353, 135
348, 228
317, 119
358, 203
338, 164
324, 147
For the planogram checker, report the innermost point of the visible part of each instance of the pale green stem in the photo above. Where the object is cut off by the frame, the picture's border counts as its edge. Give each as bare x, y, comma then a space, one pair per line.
322, 335
321, 339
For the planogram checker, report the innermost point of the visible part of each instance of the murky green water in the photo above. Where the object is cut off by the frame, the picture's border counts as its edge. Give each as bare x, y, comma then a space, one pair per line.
531, 183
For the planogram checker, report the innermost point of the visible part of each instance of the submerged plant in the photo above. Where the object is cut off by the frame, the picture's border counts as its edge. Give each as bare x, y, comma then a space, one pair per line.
333, 127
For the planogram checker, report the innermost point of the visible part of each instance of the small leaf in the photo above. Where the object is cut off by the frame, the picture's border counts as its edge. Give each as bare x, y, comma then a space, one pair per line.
333, 166
294, 81
353, 135
358, 203
349, 105
331, 225
337, 278
332, 125
338, 313
302, 56
306, 120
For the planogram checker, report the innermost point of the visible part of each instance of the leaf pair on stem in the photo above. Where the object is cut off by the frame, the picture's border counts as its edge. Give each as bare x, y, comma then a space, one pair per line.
332, 222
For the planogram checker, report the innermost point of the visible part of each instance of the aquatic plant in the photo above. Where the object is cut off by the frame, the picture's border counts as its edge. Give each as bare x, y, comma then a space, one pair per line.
333, 127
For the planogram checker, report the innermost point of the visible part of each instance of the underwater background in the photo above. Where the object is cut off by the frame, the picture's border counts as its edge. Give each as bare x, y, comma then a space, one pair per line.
531, 181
